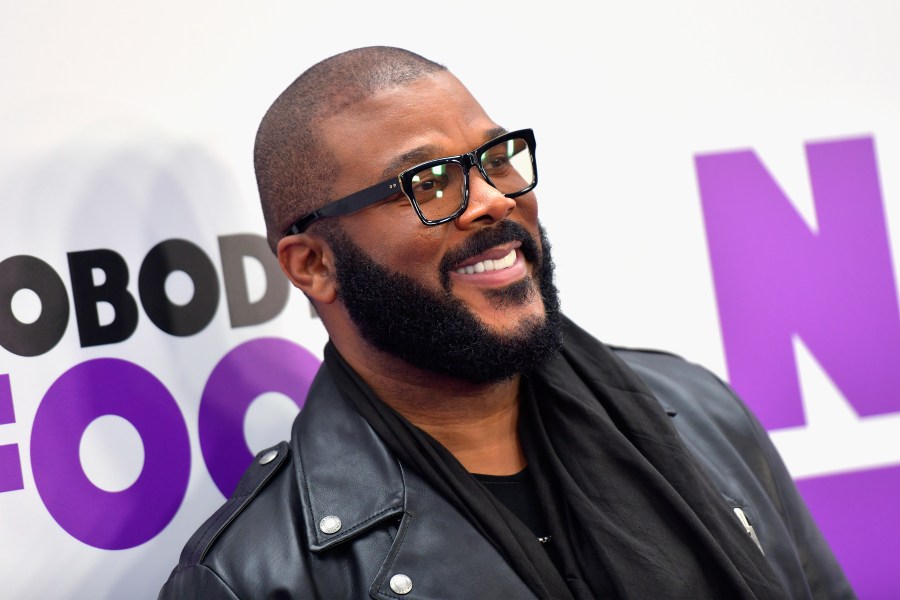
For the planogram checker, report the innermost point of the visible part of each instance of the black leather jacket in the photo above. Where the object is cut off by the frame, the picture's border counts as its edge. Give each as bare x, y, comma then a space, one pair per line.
269, 539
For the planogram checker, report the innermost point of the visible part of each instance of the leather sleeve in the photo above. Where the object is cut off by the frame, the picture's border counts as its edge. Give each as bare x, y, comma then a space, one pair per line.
193, 582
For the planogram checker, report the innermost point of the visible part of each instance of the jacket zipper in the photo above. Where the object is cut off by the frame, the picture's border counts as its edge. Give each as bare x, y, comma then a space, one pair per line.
748, 527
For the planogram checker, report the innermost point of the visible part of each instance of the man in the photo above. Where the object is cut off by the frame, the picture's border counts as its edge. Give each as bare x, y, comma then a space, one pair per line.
463, 439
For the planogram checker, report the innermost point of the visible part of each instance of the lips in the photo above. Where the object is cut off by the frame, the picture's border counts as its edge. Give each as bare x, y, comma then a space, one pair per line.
497, 243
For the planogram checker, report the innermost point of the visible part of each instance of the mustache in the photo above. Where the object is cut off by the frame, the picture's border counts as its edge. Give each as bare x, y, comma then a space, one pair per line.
484, 239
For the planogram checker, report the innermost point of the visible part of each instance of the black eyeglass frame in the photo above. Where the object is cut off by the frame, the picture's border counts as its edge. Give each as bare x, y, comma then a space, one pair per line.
403, 183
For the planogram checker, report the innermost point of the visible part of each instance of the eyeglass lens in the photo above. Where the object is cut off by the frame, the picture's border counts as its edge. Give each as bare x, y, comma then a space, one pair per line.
439, 190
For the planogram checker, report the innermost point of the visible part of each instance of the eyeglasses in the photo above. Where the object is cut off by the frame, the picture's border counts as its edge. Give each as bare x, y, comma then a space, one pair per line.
439, 189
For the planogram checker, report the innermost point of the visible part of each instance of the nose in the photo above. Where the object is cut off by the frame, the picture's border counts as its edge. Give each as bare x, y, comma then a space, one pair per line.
486, 204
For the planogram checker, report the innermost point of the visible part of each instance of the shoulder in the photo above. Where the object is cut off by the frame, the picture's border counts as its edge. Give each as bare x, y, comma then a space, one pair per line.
255, 480
684, 386
658, 365
706, 411
257, 514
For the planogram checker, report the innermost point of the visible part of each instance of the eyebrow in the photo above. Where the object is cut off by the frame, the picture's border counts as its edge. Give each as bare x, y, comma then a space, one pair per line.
424, 153
495, 132
408, 159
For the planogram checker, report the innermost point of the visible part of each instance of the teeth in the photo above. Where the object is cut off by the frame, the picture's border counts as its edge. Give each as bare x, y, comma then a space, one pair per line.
490, 265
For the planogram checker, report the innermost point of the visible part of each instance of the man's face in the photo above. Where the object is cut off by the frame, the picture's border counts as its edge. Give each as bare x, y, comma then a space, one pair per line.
405, 283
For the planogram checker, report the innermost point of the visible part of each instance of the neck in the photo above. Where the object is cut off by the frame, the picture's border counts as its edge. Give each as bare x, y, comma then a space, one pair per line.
477, 423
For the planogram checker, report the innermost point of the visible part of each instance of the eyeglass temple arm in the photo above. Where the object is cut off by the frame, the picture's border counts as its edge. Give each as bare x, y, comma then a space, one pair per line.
349, 204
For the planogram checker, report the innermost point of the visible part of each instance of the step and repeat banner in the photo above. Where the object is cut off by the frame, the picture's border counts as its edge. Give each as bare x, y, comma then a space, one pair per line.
722, 182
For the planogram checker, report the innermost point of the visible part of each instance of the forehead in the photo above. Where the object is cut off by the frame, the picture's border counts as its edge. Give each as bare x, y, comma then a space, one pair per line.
398, 127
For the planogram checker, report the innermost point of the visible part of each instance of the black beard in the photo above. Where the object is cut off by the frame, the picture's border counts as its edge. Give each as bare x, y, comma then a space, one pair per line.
435, 331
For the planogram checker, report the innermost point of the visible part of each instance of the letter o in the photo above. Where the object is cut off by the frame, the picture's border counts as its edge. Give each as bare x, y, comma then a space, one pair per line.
163, 259
32, 339
110, 520
253, 368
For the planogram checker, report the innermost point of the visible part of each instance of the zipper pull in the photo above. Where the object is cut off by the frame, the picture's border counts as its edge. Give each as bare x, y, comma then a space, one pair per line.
748, 527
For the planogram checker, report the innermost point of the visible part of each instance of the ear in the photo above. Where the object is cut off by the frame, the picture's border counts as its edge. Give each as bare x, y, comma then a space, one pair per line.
308, 262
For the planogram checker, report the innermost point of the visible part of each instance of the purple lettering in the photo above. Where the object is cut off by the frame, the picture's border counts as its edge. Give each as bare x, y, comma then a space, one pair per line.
857, 516
110, 520
10, 465
253, 368
775, 278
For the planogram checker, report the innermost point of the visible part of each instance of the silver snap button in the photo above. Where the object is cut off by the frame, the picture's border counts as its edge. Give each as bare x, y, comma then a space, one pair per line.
268, 457
330, 524
401, 584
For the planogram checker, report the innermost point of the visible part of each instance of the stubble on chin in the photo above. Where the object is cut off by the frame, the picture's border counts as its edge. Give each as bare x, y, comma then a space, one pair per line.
516, 294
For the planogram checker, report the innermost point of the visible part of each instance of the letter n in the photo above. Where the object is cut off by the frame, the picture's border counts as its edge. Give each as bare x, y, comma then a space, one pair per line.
776, 278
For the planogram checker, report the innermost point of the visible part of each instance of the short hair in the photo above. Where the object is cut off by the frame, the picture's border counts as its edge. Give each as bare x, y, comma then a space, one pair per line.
294, 170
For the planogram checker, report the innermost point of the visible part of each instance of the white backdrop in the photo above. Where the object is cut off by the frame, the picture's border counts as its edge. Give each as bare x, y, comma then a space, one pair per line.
128, 124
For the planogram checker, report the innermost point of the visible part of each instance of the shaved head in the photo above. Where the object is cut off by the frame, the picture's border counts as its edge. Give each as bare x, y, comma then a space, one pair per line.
294, 170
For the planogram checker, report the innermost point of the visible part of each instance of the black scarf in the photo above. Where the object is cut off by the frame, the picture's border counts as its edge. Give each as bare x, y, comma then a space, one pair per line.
630, 513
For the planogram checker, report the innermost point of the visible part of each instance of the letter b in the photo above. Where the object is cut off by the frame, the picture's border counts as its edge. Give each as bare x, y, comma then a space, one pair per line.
113, 291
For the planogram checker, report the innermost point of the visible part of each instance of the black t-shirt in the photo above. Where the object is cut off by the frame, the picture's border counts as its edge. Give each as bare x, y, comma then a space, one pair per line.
518, 494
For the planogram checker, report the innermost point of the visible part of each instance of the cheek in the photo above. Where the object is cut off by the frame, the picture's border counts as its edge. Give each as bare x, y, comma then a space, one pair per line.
404, 247
528, 206
419, 253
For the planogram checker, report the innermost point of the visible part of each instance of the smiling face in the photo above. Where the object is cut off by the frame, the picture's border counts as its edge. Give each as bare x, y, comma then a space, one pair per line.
472, 298
397, 128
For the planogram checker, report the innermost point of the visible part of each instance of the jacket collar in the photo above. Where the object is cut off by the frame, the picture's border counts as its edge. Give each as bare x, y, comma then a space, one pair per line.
344, 470
326, 470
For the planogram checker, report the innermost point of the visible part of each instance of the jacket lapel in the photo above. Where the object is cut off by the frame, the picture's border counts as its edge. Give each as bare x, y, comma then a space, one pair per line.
351, 483
348, 479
